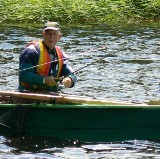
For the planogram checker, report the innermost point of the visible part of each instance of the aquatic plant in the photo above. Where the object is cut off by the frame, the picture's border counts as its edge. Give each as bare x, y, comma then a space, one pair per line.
79, 11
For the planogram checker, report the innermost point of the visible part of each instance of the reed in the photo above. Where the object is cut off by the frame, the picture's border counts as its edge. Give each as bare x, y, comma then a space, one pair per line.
79, 11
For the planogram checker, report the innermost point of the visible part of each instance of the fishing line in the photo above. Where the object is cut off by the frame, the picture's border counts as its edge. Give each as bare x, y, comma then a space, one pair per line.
95, 50
98, 49
76, 71
90, 64
43, 64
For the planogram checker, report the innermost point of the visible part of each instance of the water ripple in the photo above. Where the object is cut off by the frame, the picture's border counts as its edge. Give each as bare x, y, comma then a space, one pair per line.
125, 66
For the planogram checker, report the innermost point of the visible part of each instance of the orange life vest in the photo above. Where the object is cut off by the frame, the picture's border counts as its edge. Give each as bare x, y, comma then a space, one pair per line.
44, 62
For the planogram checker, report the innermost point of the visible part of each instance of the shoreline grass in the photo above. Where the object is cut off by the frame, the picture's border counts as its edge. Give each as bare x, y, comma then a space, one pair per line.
79, 11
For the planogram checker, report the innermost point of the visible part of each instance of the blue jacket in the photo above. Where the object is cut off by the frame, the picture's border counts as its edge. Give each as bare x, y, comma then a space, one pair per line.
30, 58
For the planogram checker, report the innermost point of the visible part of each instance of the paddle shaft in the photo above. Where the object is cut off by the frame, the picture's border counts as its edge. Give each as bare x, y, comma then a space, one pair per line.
62, 99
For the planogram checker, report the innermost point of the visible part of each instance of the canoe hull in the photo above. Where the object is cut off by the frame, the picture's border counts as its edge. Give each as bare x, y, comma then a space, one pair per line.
90, 123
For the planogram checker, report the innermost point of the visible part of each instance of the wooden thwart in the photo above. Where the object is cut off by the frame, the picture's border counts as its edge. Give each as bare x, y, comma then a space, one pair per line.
62, 98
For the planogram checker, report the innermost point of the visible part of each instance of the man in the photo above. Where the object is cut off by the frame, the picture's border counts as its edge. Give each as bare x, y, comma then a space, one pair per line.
42, 64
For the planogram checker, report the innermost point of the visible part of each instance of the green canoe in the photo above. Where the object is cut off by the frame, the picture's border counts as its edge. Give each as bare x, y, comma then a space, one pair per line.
78, 118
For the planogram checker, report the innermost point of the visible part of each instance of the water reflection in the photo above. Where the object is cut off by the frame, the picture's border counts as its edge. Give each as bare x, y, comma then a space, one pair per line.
128, 60
124, 66
32, 147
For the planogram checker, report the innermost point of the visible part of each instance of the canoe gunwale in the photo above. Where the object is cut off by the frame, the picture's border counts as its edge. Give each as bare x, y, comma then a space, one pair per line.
83, 106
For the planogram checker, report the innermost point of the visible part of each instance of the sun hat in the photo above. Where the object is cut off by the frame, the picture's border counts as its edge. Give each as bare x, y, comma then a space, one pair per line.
51, 26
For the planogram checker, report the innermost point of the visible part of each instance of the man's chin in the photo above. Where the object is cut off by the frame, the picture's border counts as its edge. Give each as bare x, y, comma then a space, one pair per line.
51, 46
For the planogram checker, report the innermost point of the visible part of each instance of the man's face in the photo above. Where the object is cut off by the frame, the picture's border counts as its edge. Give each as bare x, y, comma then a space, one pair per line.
51, 37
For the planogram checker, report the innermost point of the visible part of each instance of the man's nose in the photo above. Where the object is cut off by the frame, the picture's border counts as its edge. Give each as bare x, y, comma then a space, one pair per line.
52, 34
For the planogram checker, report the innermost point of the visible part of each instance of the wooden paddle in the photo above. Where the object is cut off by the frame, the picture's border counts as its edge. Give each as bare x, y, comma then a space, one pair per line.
62, 98
18, 112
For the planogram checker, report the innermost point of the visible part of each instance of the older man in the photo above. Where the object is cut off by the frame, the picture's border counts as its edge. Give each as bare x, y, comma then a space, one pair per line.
42, 63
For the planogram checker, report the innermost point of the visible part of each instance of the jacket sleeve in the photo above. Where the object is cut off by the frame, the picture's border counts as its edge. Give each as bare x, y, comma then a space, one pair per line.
29, 59
68, 71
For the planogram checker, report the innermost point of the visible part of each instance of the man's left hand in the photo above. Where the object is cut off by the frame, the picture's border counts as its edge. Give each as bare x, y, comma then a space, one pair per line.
67, 82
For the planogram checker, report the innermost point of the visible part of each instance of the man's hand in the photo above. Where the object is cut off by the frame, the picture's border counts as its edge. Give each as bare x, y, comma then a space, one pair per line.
50, 81
67, 82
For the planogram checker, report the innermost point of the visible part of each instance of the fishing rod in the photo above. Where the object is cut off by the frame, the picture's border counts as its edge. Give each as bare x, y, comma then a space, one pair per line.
89, 64
76, 71
98, 49
61, 78
43, 64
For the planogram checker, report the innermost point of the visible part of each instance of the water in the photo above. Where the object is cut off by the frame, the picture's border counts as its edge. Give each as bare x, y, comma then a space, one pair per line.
122, 64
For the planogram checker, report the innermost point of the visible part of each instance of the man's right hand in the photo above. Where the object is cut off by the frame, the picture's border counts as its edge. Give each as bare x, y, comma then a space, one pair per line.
50, 81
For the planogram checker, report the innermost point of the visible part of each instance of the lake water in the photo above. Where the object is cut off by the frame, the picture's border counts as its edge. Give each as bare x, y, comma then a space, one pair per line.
123, 63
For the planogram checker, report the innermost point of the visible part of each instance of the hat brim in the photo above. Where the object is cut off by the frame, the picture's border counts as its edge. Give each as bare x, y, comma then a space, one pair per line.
50, 28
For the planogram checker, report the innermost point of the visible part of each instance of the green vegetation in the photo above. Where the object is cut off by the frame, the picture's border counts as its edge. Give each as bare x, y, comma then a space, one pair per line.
79, 11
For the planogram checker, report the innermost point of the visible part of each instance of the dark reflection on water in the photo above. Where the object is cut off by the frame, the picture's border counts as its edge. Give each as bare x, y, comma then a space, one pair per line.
32, 147
125, 66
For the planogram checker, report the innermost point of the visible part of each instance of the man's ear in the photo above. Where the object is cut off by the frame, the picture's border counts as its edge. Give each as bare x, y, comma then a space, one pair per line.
43, 33
60, 35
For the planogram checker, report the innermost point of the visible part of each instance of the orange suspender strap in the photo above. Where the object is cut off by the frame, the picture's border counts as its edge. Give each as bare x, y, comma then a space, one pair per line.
60, 60
44, 61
